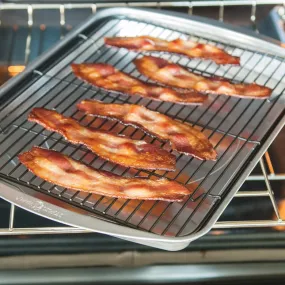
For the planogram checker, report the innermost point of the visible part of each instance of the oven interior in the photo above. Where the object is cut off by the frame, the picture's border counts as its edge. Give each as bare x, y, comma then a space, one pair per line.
253, 215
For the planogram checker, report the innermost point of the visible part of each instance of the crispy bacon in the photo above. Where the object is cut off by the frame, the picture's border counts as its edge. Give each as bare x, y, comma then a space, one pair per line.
185, 47
183, 138
61, 170
118, 149
175, 75
107, 77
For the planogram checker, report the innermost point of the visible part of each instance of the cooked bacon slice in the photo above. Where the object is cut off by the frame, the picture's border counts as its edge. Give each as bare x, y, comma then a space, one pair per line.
118, 149
61, 170
175, 75
107, 77
183, 137
185, 47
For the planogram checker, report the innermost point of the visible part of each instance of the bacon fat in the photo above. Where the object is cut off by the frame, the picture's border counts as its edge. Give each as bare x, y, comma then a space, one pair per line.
183, 137
172, 74
116, 148
185, 47
61, 170
109, 78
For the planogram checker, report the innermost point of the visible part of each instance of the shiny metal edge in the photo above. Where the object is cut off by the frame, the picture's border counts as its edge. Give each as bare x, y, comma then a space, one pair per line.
179, 273
18, 4
80, 220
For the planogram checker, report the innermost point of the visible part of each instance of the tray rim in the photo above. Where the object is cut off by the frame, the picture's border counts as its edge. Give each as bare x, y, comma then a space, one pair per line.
108, 227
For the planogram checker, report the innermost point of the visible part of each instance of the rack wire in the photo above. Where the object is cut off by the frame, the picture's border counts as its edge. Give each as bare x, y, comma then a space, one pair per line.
265, 163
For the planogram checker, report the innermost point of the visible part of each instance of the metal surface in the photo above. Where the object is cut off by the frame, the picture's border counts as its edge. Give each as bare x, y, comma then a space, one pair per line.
170, 219
236, 273
272, 176
146, 4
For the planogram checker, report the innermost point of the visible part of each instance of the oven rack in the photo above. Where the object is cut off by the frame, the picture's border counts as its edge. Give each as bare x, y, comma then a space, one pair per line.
268, 173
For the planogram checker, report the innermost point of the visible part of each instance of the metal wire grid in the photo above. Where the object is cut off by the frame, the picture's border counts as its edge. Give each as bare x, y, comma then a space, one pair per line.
266, 177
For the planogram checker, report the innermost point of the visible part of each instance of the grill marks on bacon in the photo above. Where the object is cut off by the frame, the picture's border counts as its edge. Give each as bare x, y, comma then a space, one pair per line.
185, 47
168, 73
61, 170
109, 78
183, 137
118, 149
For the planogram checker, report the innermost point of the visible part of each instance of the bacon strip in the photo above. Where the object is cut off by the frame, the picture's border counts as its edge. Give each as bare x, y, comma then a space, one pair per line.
118, 149
61, 170
175, 75
107, 77
183, 138
185, 47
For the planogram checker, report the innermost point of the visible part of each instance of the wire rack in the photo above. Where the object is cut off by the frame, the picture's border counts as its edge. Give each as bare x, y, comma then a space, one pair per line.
267, 169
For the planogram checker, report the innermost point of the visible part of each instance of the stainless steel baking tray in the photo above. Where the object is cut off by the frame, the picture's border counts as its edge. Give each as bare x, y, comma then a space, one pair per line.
240, 129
